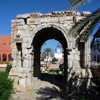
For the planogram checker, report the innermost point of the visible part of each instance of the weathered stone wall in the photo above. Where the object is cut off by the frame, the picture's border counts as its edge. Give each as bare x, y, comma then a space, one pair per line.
24, 29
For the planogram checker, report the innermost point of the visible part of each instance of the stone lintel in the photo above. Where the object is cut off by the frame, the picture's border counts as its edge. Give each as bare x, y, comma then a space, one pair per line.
18, 40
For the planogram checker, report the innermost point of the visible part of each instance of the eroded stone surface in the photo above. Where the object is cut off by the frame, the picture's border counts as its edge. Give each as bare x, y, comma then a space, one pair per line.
25, 35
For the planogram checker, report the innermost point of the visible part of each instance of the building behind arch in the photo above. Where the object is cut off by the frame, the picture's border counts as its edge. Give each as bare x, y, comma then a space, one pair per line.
59, 55
5, 49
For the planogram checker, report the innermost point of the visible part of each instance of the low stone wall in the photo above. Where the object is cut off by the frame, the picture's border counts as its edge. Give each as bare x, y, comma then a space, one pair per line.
3, 67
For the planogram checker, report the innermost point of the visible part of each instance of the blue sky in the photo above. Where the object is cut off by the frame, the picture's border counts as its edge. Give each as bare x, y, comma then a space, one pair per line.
51, 44
9, 9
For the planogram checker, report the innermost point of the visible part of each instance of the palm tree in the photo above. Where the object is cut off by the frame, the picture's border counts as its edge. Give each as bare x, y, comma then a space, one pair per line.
83, 28
47, 51
43, 55
76, 3
59, 45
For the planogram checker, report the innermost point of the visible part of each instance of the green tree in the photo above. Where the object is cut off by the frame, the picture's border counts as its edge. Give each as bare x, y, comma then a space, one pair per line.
43, 55
8, 68
59, 45
47, 51
51, 53
6, 86
54, 59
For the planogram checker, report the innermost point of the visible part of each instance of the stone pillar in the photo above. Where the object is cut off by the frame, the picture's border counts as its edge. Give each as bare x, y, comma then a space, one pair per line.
23, 76
73, 65
87, 53
36, 63
14, 55
30, 58
69, 54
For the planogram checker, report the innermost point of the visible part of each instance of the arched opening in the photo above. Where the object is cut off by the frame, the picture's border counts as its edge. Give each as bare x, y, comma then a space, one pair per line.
82, 54
42, 36
9, 57
4, 57
52, 57
0, 58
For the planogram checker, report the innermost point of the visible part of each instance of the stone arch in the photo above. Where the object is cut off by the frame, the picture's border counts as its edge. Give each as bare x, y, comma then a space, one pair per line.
40, 37
59, 27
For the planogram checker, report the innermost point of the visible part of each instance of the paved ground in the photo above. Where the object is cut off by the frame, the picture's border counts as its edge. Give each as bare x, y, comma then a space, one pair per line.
55, 66
45, 89
43, 92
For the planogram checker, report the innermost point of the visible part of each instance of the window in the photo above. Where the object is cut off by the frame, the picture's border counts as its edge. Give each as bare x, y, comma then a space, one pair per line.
4, 44
4, 57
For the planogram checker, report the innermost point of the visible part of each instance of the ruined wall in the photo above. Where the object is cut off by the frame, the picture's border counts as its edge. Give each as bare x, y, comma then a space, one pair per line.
25, 27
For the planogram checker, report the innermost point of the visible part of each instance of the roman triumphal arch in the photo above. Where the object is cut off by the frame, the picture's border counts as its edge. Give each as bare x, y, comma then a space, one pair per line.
30, 31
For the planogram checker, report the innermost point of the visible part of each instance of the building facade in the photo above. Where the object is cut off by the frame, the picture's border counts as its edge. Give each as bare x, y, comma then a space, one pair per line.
5, 48
58, 55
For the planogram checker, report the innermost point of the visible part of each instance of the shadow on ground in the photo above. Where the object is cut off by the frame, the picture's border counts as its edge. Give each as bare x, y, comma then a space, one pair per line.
57, 80
54, 94
49, 94
70, 92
